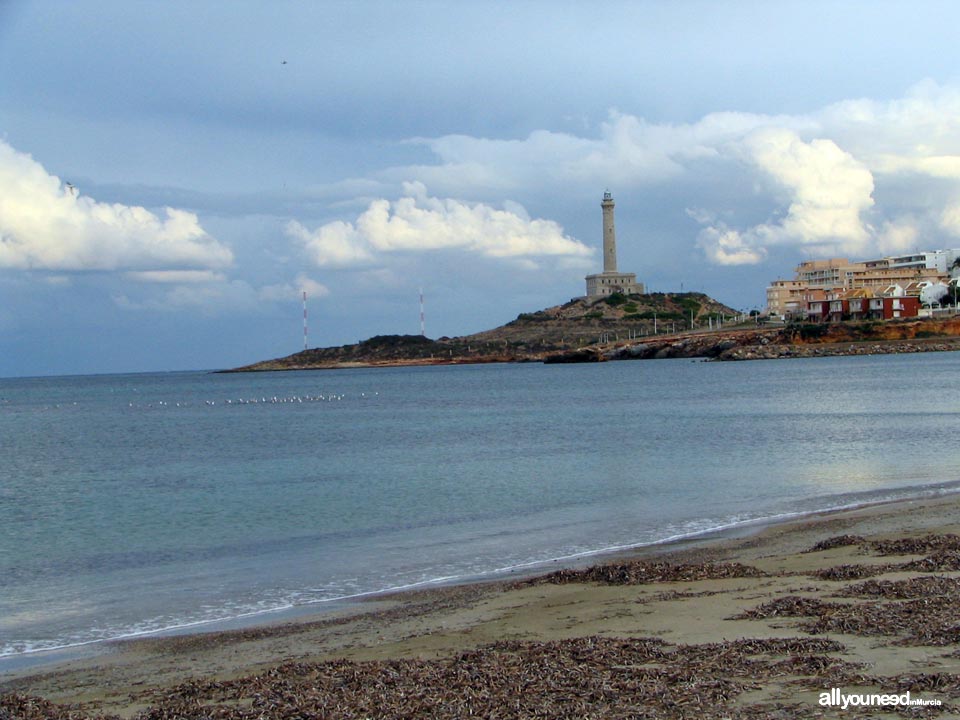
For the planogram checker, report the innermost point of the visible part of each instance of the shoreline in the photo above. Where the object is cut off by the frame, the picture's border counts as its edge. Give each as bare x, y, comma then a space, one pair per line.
436, 622
48, 658
735, 345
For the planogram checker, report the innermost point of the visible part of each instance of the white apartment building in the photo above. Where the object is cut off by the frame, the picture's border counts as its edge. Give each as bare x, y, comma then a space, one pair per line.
784, 297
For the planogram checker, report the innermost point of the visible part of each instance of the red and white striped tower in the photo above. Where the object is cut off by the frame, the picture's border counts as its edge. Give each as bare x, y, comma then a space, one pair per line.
423, 331
304, 319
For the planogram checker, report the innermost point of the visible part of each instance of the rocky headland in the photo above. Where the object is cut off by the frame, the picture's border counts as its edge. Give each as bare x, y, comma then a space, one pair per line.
636, 327
531, 337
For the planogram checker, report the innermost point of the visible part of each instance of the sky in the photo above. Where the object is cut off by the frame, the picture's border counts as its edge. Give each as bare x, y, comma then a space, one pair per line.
174, 175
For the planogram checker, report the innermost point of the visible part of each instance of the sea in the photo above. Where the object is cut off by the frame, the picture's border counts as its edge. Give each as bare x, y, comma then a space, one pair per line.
143, 504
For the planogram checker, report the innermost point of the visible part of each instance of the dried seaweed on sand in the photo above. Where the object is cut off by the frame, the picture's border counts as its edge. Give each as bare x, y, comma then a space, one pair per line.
916, 545
641, 573
587, 677
851, 572
913, 588
835, 542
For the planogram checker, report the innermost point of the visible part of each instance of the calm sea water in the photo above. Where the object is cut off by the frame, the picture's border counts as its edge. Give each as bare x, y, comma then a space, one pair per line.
139, 503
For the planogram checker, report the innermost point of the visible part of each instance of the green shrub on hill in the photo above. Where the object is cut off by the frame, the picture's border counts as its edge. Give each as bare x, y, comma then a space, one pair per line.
533, 317
395, 341
659, 315
689, 305
615, 299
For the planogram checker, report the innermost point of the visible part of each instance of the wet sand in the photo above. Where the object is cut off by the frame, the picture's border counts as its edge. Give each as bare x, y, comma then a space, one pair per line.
867, 601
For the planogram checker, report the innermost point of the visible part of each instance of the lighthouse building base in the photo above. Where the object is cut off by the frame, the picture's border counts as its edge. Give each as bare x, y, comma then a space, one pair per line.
607, 283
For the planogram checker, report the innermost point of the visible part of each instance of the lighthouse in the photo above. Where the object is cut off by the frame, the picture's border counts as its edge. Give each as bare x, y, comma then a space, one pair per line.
609, 234
610, 280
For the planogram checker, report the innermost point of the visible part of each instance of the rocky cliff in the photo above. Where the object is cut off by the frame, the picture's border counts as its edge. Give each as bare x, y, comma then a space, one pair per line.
801, 340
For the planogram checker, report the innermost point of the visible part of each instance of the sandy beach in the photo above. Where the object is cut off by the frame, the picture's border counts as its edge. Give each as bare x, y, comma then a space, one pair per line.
863, 601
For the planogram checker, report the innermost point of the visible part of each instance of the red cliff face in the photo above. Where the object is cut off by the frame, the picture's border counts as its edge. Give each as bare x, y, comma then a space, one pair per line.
875, 331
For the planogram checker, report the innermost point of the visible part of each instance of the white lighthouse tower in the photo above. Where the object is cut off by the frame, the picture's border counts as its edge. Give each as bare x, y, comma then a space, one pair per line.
610, 281
609, 234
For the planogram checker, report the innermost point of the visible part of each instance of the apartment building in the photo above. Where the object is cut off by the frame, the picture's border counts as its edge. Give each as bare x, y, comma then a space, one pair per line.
835, 272
791, 298
786, 297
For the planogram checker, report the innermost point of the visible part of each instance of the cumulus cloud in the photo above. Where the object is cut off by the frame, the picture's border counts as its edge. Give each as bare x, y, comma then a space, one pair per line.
47, 225
418, 222
828, 192
724, 246
828, 188
628, 150
336, 244
859, 177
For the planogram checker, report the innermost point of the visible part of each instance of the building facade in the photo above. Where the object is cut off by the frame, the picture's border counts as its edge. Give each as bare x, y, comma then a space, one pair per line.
786, 297
910, 273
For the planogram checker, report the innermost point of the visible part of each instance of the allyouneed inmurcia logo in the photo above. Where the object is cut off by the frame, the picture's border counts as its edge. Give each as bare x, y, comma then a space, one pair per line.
835, 698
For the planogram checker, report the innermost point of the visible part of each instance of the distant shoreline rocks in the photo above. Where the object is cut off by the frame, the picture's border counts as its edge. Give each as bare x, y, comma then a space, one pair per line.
626, 328
761, 345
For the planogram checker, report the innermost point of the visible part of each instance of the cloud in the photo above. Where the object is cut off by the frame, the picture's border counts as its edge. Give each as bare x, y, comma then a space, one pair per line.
210, 294
828, 192
420, 223
950, 219
294, 291
723, 246
898, 236
919, 132
628, 150
208, 300
938, 166
859, 177
828, 188
217, 297
45, 225
336, 244
908, 148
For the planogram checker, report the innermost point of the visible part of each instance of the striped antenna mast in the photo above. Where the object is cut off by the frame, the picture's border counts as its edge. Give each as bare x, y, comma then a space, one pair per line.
304, 319
423, 330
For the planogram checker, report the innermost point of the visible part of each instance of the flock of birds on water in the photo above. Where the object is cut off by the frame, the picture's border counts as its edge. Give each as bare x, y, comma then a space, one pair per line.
263, 400
228, 402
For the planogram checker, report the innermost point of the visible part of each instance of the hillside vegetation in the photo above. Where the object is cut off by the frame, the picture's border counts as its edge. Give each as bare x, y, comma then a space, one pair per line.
578, 323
